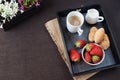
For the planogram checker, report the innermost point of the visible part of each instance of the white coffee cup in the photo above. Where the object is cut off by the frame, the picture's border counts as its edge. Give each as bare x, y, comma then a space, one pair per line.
93, 17
75, 28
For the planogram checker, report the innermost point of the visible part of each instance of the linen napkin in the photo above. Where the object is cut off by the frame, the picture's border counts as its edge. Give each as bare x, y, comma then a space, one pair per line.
53, 28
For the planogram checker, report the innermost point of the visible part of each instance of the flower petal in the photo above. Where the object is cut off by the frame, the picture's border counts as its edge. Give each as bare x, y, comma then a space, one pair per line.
37, 4
20, 1
22, 7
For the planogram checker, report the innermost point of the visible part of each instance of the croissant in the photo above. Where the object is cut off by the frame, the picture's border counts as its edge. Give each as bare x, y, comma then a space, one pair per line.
105, 43
92, 34
99, 35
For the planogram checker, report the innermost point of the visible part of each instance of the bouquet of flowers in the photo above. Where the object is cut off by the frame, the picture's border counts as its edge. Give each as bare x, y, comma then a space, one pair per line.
27, 3
10, 8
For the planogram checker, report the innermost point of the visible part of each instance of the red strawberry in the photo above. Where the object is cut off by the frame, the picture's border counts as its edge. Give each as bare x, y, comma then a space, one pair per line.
96, 51
80, 43
89, 46
95, 59
87, 57
74, 55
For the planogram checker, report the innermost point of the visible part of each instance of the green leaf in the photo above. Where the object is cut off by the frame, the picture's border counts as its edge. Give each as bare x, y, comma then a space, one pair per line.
88, 48
28, 3
77, 44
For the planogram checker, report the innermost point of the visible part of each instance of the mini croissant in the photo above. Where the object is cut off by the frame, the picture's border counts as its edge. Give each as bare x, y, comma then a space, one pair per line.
99, 35
92, 34
105, 43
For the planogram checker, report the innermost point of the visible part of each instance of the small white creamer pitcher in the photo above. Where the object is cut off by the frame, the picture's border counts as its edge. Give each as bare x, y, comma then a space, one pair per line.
93, 17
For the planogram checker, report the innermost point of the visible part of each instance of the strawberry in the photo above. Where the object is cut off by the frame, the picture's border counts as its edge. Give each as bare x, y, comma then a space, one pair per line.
89, 46
87, 57
96, 51
74, 55
80, 43
95, 59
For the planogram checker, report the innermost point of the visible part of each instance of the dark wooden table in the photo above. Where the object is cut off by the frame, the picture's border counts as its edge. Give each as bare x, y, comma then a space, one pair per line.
27, 51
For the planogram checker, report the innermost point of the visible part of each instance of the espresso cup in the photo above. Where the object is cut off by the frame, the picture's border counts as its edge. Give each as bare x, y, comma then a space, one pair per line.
93, 17
74, 22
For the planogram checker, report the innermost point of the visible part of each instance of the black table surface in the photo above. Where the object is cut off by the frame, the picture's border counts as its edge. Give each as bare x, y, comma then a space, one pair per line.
27, 51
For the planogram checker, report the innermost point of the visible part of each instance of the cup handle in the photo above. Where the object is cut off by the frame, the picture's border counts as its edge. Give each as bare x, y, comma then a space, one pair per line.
80, 31
100, 19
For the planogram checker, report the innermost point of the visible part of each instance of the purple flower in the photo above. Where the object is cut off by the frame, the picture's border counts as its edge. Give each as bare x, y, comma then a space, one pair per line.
22, 7
37, 4
20, 1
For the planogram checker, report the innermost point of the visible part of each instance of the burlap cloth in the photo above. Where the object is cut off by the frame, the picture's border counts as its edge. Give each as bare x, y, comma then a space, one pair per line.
53, 29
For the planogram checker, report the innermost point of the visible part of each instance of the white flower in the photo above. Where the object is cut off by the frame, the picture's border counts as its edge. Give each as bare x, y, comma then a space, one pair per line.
1, 8
9, 9
0, 1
